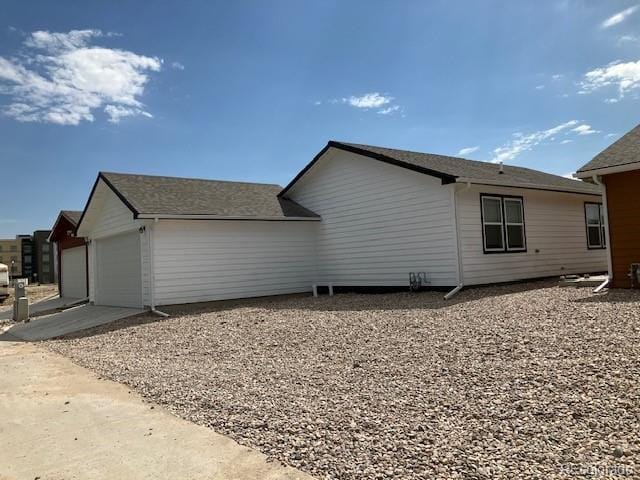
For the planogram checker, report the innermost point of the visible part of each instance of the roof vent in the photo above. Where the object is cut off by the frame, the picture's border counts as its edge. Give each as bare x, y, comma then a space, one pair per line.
501, 168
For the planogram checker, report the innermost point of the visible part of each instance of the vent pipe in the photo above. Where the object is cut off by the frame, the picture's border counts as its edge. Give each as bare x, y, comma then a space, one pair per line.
501, 168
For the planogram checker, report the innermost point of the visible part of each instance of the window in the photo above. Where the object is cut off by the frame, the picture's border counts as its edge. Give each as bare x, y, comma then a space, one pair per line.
594, 217
45, 257
27, 259
503, 224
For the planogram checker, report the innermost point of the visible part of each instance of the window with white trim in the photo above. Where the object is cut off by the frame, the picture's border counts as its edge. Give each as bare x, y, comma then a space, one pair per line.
594, 217
503, 228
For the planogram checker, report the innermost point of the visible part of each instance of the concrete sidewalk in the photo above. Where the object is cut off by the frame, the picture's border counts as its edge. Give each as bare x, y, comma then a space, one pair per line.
59, 420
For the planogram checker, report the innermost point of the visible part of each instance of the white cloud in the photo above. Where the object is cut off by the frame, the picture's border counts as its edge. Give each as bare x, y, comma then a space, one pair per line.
565, 141
611, 100
584, 129
557, 76
317, 103
571, 175
609, 135
619, 17
539, 87
524, 142
62, 79
368, 100
177, 65
625, 76
389, 110
468, 150
626, 39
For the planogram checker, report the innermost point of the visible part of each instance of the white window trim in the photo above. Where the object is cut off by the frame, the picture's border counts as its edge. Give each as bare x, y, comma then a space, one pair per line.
500, 224
599, 226
507, 224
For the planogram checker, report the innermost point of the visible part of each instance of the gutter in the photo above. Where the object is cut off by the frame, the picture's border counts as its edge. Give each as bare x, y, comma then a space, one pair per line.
528, 186
585, 174
596, 179
456, 226
156, 217
152, 276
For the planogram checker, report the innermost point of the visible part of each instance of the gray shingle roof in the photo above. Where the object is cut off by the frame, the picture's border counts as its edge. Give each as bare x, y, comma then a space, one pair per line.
477, 171
166, 196
72, 215
624, 151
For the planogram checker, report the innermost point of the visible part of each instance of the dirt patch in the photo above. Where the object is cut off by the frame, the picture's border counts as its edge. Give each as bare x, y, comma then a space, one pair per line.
528, 381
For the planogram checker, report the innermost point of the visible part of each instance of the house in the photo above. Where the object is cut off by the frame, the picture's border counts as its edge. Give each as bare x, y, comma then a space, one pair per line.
389, 212
160, 240
354, 216
71, 256
617, 168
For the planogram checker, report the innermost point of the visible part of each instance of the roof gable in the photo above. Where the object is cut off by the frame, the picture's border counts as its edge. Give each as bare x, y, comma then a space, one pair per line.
66, 221
624, 151
149, 196
453, 169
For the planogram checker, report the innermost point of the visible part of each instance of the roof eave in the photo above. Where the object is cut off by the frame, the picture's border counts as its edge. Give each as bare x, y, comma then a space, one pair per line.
161, 216
527, 186
608, 170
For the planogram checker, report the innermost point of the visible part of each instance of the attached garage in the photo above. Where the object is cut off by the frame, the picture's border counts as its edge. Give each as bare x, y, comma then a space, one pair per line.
118, 271
156, 241
71, 256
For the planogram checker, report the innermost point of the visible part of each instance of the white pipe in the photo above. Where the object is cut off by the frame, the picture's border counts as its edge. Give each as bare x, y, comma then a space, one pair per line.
605, 206
454, 291
601, 286
158, 312
456, 226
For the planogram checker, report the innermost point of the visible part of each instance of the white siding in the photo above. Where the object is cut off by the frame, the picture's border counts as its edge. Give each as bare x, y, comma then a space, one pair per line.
379, 222
555, 234
200, 260
107, 215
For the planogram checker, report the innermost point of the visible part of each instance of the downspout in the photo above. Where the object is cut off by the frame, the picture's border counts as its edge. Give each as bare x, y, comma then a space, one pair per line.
456, 226
152, 276
597, 181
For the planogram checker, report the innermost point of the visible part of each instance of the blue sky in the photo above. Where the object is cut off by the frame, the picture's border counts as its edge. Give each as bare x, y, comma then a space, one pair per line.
252, 90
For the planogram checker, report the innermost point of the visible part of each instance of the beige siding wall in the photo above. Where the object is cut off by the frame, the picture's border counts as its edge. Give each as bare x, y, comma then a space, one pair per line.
196, 261
555, 232
379, 222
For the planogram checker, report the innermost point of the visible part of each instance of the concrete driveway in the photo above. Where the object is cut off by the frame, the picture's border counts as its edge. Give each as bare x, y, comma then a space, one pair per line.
59, 421
72, 320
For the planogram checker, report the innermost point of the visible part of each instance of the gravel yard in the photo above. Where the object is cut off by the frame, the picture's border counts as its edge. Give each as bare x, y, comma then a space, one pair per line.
520, 381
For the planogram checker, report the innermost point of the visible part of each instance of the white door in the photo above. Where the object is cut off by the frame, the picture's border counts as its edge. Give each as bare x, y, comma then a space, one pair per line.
118, 271
74, 272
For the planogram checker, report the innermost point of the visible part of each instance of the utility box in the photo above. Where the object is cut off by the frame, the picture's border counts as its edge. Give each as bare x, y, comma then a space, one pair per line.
21, 303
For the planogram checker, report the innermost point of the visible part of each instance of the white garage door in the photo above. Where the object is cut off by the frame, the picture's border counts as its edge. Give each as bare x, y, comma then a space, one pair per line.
74, 273
118, 277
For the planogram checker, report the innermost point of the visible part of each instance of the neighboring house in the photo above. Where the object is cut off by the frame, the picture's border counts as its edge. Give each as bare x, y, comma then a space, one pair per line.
71, 256
161, 240
617, 168
11, 256
44, 271
355, 216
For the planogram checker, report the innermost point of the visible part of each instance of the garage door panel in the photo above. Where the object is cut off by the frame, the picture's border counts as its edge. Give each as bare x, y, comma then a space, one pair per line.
74, 272
118, 271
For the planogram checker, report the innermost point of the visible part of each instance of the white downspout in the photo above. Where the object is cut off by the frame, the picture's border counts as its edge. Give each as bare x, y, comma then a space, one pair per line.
597, 181
456, 226
152, 276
